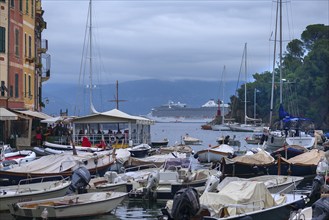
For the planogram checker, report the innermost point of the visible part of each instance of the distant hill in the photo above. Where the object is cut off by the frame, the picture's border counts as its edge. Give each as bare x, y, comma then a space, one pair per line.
140, 96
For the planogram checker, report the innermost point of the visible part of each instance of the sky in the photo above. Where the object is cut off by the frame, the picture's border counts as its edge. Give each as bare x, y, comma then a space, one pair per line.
170, 40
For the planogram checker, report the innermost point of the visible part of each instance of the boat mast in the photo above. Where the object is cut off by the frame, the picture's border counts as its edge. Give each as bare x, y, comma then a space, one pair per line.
90, 58
223, 118
274, 59
245, 84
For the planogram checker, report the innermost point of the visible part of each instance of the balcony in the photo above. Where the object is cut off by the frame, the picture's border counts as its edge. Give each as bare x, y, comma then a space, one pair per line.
44, 46
45, 67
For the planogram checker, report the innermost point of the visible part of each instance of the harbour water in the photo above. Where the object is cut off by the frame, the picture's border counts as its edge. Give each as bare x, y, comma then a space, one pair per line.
138, 209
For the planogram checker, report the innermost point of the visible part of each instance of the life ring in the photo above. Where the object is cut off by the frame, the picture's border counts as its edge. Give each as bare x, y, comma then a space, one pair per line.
113, 139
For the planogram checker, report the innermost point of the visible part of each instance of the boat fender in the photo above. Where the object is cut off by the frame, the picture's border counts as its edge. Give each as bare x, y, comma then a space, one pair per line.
113, 139
44, 214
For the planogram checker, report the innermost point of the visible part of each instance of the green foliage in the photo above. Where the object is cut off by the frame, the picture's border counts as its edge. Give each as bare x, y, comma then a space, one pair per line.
305, 66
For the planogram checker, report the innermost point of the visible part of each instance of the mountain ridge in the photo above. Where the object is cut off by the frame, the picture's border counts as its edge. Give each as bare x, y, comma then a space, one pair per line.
136, 97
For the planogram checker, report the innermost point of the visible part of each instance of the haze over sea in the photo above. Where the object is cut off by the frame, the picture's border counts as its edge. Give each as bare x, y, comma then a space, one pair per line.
138, 209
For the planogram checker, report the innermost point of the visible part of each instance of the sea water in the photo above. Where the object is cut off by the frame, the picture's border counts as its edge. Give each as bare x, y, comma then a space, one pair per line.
143, 209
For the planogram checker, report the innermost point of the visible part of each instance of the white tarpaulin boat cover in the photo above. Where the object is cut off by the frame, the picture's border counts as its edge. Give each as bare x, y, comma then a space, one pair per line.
238, 197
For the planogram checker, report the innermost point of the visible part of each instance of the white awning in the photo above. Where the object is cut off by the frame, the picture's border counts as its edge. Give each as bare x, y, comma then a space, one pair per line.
35, 114
6, 115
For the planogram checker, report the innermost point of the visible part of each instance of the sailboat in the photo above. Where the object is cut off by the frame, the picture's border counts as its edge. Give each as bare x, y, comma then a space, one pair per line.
290, 132
256, 127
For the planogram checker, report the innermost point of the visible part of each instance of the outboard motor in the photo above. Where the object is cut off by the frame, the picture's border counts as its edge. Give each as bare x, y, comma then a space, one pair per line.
321, 209
80, 179
186, 204
317, 184
152, 184
212, 182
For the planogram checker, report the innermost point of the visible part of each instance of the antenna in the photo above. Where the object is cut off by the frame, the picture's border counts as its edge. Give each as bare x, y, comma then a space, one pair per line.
117, 100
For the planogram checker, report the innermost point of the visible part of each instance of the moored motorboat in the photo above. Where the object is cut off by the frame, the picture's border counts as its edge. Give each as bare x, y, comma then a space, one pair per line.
26, 191
174, 175
160, 143
214, 154
140, 151
188, 140
57, 164
88, 204
236, 200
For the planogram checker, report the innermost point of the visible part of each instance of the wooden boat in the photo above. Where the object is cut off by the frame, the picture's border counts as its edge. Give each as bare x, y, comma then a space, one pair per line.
302, 165
289, 151
248, 165
26, 191
58, 164
88, 204
214, 154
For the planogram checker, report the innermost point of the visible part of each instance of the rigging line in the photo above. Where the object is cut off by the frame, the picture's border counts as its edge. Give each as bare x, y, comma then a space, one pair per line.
83, 64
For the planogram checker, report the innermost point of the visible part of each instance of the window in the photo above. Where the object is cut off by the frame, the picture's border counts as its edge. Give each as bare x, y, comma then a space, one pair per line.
30, 93
25, 45
25, 92
2, 39
11, 89
12, 3
30, 46
32, 8
16, 86
3, 88
27, 7
16, 42
20, 5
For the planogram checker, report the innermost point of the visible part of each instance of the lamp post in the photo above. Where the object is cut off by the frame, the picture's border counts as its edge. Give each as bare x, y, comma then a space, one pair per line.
255, 98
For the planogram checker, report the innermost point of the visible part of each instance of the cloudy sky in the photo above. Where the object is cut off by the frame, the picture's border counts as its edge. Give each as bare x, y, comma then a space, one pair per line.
170, 40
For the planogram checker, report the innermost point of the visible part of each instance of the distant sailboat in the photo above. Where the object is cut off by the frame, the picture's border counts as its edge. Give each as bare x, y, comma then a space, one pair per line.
246, 127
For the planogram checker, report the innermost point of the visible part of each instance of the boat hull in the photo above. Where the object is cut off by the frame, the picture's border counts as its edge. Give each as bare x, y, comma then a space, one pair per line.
207, 156
79, 206
280, 212
30, 192
12, 178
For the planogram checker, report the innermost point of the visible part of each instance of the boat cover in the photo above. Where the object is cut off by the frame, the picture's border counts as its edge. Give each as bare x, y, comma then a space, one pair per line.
237, 197
261, 158
310, 158
51, 164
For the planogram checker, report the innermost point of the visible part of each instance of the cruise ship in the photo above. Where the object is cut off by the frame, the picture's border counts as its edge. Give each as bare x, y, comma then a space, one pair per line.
180, 112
